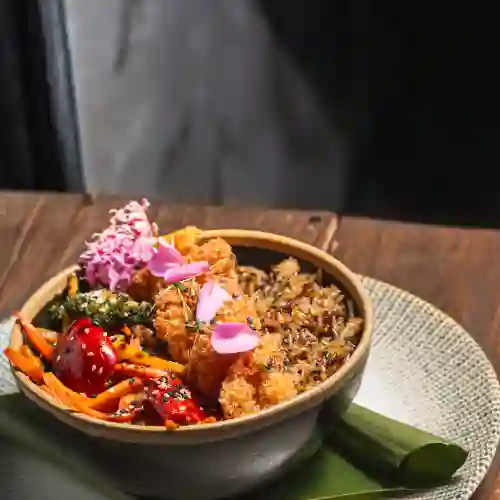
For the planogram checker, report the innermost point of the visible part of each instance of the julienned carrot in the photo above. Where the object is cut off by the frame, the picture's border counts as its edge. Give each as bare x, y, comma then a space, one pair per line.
26, 364
135, 343
79, 402
48, 390
49, 335
65, 394
136, 356
28, 353
120, 416
112, 396
128, 399
36, 338
126, 330
145, 372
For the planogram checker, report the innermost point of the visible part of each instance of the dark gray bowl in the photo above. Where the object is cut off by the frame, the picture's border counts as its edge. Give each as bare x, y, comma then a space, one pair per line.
217, 460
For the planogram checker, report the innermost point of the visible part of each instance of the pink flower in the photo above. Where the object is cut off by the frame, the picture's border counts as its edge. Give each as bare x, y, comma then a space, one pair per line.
183, 272
113, 256
169, 264
165, 256
232, 338
210, 299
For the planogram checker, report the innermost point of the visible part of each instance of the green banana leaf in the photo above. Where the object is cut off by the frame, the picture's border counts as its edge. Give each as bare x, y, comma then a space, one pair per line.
363, 455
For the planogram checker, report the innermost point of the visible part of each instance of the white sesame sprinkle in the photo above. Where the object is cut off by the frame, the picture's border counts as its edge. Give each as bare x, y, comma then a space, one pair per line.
84, 346
90, 354
58, 358
86, 330
94, 368
101, 369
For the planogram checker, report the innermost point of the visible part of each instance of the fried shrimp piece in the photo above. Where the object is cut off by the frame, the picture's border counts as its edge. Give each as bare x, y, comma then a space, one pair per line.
219, 254
238, 394
170, 323
207, 369
257, 380
144, 286
238, 398
276, 387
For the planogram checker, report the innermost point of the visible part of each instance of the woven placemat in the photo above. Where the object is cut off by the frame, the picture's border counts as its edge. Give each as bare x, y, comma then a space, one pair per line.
427, 371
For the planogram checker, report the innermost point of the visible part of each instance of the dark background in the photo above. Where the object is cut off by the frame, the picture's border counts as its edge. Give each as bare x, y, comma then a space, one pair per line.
413, 85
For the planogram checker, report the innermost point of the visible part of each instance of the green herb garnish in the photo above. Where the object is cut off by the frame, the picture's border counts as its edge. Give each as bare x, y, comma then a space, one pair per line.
105, 308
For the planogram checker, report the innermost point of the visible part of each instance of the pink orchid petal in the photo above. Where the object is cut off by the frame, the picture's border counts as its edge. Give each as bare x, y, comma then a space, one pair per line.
168, 252
232, 338
186, 271
210, 299
165, 257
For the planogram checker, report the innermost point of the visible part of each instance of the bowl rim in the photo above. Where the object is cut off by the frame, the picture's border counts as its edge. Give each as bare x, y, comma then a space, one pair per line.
225, 428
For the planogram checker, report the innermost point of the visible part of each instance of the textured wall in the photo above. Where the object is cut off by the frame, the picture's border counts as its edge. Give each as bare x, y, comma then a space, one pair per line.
191, 100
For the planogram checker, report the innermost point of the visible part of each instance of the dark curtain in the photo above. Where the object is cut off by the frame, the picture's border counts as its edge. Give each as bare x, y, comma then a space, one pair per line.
415, 87
29, 153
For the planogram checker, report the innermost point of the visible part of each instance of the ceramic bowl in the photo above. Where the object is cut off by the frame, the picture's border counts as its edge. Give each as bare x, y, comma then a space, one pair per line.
217, 460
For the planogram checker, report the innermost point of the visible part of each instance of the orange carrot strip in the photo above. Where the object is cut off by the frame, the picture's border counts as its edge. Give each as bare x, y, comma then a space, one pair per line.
126, 330
112, 396
110, 417
128, 399
78, 402
136, 356
170, 425
65, 394
49, 335
24, 364
135, 343
36, 338
37, 363
48, 390
139, 371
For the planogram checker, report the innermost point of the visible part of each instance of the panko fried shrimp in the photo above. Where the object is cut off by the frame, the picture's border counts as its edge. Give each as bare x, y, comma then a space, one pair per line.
170, 323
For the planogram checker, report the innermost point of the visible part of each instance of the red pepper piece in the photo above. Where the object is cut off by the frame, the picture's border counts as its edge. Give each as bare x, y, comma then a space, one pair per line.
84, 358
174, 401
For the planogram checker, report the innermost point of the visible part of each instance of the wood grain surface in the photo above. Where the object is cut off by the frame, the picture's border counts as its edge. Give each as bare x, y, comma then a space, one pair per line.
42, 234
457, 270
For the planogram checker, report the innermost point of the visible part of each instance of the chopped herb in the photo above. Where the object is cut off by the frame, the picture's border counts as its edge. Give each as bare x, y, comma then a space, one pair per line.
106, 310
132, 381
180, 286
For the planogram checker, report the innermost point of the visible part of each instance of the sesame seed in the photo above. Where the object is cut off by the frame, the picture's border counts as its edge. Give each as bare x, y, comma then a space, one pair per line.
101, 369
94, 368
84, 346
58, 358
90, 354
86, 330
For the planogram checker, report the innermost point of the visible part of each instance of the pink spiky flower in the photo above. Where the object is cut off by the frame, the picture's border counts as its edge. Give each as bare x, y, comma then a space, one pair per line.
126, 245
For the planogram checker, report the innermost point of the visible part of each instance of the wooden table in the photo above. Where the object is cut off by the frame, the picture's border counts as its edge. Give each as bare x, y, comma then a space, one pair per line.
458, 270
